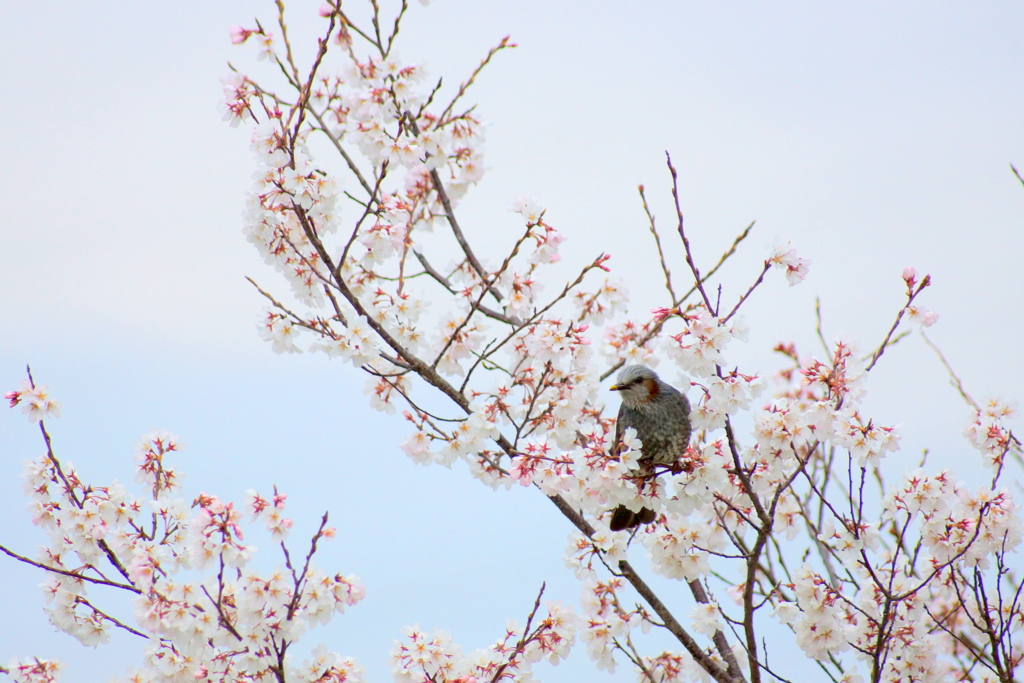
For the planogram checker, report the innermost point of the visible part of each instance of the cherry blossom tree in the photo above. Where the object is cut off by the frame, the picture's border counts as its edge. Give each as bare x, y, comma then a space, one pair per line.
785, 514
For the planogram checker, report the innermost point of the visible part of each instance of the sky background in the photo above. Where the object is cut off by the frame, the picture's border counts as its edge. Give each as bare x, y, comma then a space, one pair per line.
873, 136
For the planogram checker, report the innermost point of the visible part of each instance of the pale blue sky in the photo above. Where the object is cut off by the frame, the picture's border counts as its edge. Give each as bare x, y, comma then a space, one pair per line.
872, 135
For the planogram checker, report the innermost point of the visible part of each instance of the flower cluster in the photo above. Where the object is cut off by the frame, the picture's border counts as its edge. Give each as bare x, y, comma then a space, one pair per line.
626, 341
203, 623
698, 349
724, 396
905, 607
779, 504
786, 259
820, 629
35, 401
433, 658
34, 671
679, 548
988, 433
607, 623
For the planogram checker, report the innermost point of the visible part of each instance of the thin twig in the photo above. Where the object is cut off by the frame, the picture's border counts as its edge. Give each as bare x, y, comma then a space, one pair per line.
818, 325
899, 316
115, 621
107, 550
504, 44
1017, 173
223, 619
954, 380
444, 282
341, 150
73, 575
657, 242
760, 279
686, 242
449, 213
657, 325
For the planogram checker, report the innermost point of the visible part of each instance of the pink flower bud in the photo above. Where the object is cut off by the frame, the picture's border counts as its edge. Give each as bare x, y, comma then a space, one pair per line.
239, 35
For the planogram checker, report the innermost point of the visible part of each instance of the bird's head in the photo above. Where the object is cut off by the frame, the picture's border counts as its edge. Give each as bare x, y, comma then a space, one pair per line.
638, 385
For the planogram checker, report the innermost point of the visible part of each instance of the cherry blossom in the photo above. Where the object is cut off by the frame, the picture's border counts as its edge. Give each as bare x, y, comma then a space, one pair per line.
35, 401
797, 504
34, 671
786, 259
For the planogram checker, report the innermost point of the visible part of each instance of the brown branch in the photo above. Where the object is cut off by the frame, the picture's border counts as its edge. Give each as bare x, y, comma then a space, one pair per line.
223, 618
376, 26
686, 242
1017, 173
743, 298
444, 282
300, 578
449, 212
113, 620
732, 666
367, 210
394, 31
659, 324
114, 560
284, 37
307, 88
344, 155
677, 630
504, 44
954, 380
899, 316
73, 575
525, 638
657, 242
432, 377
488, 281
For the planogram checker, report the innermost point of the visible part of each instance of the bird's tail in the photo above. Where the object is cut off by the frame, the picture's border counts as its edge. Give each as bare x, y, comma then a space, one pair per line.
624, 518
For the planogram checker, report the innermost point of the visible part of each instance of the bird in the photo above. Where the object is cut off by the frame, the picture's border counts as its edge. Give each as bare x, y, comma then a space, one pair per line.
660, 414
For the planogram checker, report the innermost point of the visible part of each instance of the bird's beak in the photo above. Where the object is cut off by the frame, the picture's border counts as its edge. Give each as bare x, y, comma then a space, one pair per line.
615, 387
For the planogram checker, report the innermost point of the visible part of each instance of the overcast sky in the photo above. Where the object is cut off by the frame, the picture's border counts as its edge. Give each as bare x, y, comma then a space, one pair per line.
872, 135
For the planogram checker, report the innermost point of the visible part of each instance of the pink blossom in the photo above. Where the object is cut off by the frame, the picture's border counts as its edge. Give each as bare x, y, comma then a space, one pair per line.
240, 35
663, 313
35, 400
35, 670
528, 209
922, 316
785, 258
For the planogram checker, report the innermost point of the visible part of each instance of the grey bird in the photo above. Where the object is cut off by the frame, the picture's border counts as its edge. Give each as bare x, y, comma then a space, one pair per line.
660, 414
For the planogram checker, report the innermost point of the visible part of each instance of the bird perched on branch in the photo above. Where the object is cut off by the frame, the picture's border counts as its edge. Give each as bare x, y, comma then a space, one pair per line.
660, 414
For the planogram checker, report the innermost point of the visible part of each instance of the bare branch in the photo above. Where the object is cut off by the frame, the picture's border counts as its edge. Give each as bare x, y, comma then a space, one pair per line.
899, 316
71, 574
699, 283
657, 242
504, 44
953, 379
657, 325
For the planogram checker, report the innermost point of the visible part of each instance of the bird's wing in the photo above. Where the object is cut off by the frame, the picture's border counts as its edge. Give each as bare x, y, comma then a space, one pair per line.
620, 427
